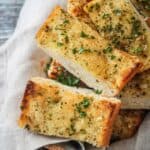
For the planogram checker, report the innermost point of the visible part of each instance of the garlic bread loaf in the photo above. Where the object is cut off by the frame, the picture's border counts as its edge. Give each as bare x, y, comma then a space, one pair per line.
120, 24
50, 108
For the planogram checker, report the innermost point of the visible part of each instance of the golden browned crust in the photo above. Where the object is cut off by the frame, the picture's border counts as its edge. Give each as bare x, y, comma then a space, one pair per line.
128, 75
42, 93
75, 8
30, 88
110, 122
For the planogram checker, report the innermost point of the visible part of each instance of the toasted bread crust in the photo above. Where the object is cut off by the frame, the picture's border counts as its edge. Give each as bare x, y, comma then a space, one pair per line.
75, 8
36, 106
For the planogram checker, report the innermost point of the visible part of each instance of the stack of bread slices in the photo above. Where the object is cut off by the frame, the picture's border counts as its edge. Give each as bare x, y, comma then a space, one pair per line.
96, 48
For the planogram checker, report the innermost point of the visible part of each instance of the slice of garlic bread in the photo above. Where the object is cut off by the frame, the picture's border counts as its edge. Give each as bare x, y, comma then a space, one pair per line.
50, 108
85, 54
120, 24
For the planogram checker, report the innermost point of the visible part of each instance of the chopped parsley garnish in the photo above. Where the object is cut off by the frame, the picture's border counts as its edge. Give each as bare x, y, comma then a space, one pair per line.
59, 44
85, 102
118, 28
116, 41
66, 39
112, 57
80, 50
136, 24
117, 12
74, 50
68, 79
66, 21
98, 91
137, 50
105, 16
108, 49
94, 7
107, 28
82, 114
82, 106
84, 35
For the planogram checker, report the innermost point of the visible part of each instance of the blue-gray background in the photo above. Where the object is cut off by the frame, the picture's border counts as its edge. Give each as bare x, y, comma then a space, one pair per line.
9, 11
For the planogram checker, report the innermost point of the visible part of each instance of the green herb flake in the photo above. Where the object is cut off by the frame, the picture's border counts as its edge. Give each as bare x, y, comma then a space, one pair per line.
82, 106
66, 21
137, 50
112, 57
105, 16
98, 91
84, 35
68, 79
66, 39
86, 102
59, 44
94, 7
107, 28
82, 114
136, 25
117, 12
74, 50
108, 50
81, 50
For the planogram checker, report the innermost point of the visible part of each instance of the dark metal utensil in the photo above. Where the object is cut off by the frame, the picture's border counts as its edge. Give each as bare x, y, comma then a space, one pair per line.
68, 145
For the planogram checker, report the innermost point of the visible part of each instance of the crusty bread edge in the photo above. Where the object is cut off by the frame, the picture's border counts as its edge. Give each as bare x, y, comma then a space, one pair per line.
115, 112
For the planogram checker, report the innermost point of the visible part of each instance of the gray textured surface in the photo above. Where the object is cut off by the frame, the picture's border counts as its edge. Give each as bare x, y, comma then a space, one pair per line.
9, 11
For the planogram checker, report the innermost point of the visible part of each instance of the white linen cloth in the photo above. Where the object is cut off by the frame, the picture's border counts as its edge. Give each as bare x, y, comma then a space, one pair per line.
19, 61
